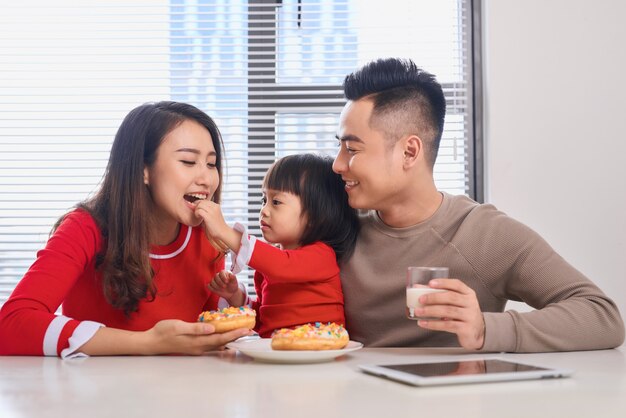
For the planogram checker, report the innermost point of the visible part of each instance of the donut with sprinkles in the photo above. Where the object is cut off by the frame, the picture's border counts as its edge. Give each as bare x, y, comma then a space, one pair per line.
316, 337
228, 319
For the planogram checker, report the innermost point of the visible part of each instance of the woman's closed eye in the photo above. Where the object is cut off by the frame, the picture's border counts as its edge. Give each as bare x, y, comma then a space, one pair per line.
190, 163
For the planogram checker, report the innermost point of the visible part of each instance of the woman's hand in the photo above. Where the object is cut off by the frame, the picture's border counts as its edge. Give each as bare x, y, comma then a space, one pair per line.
459, 310
172, 336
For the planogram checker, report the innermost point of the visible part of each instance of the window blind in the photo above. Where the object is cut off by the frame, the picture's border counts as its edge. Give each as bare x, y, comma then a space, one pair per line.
269, 72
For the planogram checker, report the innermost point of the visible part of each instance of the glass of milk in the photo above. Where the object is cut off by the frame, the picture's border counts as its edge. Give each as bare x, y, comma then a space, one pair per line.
417, 279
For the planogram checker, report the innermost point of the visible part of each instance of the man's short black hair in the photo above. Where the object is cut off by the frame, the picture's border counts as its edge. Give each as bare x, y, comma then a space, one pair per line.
407, 100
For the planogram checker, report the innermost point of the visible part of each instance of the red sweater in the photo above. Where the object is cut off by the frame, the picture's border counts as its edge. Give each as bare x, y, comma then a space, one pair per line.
295, 287
64, 273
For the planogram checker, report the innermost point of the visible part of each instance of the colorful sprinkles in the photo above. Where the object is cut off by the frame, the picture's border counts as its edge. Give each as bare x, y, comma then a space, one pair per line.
225, 313
317, 330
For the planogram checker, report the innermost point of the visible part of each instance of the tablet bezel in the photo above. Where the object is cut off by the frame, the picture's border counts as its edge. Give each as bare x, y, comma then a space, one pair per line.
540, 372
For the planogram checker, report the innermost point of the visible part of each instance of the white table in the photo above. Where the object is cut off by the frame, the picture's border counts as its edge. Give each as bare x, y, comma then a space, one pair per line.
227, 384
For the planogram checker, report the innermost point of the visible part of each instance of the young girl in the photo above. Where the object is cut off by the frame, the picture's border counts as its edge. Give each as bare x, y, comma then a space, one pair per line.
305, 211
124, 264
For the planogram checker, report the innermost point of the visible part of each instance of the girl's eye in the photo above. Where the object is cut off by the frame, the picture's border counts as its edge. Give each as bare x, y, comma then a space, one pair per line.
263, 200
188, 162
211, 165
276, 202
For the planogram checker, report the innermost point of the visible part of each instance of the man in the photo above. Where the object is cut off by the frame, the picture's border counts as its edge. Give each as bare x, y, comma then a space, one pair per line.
389, 134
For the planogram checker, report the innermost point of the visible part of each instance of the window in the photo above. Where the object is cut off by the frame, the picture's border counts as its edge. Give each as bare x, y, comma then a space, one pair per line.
269, 72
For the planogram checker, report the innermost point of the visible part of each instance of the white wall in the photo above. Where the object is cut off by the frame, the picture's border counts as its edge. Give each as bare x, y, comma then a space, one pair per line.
555, 79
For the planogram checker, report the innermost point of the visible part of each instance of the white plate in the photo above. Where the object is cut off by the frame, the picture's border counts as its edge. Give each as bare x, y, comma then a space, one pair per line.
261, 349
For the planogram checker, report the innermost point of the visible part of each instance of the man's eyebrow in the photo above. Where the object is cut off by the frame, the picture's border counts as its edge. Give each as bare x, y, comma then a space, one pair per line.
349, 138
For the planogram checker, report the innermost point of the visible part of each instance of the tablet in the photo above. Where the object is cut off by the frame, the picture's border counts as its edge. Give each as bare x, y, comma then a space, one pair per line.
465, 371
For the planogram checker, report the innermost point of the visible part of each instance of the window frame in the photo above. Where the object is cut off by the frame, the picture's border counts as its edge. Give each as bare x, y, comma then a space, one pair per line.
262, 58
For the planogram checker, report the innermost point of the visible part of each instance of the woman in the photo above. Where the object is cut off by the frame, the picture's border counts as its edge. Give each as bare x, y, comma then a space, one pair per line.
131, 265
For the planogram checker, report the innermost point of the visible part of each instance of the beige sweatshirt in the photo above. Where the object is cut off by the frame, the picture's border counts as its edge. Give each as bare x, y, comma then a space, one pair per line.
495, 255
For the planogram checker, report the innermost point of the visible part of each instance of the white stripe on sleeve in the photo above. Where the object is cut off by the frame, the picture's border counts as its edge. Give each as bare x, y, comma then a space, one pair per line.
248, 300
222, 303
245, 251
51, 338
83, 333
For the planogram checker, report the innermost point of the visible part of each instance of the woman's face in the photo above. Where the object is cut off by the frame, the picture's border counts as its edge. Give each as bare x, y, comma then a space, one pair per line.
184, 171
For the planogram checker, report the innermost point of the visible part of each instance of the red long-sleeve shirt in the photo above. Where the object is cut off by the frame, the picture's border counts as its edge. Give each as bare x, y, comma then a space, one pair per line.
295, 287
64, 273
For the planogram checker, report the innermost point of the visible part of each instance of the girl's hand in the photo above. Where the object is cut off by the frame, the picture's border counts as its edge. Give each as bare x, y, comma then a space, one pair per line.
225, 284
212, 219
459, 310
221, 236
172, 336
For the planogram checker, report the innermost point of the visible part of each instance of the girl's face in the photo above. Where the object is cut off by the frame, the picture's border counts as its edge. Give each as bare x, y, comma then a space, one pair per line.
281, 218
183, 172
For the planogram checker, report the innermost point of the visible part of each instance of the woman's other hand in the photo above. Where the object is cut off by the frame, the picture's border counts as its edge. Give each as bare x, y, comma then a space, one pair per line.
169, 336
193, 338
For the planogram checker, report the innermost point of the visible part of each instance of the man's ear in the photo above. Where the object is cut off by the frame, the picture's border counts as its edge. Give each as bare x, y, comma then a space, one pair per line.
413, 149
146, 177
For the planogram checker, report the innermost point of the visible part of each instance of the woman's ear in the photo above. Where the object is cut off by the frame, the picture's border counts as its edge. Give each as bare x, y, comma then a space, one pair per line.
146, 179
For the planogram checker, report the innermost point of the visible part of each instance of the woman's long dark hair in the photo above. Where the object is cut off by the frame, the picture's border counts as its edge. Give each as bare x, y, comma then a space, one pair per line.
122, 205
324, 200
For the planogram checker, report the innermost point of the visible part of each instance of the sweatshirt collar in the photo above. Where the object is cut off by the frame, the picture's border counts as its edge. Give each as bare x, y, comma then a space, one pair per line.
416, 229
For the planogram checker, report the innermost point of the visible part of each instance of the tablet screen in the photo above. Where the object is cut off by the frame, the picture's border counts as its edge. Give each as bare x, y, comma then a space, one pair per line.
466, 367
464, 371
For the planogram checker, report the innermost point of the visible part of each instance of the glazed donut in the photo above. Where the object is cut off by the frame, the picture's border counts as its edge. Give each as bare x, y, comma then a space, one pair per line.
311, 337
228, 319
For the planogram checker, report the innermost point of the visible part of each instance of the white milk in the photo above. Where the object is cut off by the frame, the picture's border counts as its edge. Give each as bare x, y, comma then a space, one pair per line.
412, 298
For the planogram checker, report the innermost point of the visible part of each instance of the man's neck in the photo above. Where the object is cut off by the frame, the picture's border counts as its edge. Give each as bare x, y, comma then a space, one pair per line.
415, 209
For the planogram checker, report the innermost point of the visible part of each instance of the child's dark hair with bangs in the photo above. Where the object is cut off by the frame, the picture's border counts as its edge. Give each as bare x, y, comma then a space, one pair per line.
331, 220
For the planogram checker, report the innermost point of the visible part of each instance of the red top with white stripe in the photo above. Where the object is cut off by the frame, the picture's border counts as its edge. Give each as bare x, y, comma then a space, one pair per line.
64, 273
